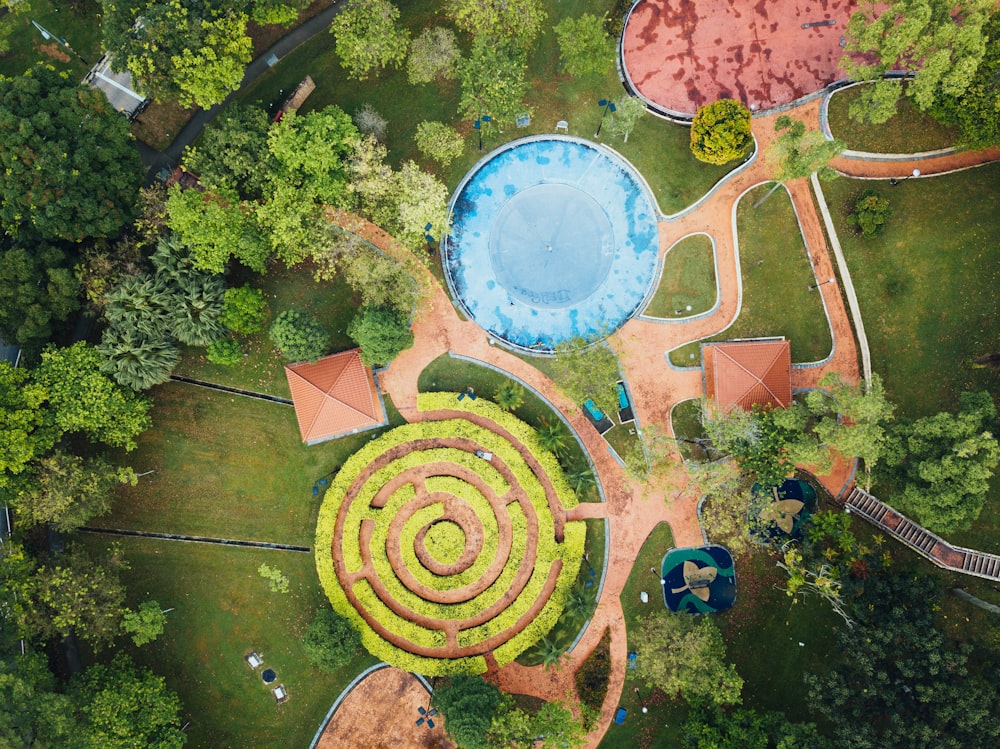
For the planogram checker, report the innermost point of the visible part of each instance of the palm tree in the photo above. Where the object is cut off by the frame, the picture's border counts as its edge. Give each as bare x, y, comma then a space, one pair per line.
136, 361
509, 395
194, 317
578, 603
550, 652
579, 477
140, 303
172, 260
552, 437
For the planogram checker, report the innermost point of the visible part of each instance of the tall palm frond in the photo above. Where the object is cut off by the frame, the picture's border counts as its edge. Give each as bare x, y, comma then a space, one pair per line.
136, 361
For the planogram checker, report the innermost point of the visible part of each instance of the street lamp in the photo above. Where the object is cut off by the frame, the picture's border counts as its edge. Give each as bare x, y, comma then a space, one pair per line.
47, 35
608, 105
641, 703
478, 126
894, 181
429, 238
813, 286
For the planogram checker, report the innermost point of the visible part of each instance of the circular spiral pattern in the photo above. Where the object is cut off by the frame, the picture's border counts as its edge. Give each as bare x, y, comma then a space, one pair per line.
444, 556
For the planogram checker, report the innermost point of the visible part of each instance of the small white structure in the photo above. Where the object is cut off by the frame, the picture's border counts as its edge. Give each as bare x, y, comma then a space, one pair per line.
116, 86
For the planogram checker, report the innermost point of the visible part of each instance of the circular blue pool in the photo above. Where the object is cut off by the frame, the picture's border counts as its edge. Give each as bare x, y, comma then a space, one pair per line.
552, 238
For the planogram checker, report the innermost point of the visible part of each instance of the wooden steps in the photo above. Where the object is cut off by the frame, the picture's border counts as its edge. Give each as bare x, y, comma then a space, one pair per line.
918, 538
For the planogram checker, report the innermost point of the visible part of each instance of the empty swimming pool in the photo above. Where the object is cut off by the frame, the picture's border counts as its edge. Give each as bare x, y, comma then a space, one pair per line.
552, 238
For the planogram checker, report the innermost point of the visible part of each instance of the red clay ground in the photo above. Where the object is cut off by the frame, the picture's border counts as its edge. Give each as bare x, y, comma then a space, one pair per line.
680, 54
381, 713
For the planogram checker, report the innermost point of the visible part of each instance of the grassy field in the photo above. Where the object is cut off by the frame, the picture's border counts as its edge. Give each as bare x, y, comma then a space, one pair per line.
553, 96
776, 273
331, 302
82, 30
227, 467
446, 374
927, 289
221, 609
909, 131
660, 727
687, 284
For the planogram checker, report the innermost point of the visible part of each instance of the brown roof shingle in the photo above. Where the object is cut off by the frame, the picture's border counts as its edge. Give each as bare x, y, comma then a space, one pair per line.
334, 396
749, 373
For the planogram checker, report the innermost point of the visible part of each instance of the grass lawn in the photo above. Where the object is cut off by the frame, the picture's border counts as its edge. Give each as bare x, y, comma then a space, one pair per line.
27, 46
226, 466
262, 371
222, 609
553, 96
568, 627
446, 374
776, 273
685, 418
927, 289
660, 727
687, 282
908, 131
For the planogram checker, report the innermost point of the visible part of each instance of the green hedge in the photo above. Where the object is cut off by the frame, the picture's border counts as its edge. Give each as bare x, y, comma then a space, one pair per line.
570, 551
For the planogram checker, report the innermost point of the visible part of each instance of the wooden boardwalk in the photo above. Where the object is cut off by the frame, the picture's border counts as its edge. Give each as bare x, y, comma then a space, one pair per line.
921, 540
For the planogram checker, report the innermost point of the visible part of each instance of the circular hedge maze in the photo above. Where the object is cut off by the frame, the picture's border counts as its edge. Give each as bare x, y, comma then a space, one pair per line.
446, 541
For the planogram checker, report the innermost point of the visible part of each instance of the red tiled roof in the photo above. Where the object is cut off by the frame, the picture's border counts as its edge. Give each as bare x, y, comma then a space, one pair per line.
334, 396
749, 373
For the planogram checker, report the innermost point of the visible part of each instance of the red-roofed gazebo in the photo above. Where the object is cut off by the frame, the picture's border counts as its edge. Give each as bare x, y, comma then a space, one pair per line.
748, 373
334, 397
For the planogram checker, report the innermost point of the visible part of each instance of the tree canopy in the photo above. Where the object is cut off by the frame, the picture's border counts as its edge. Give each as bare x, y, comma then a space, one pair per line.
368, 37
381, 333
37, 290
584, 46
720, 132
71, 169
939, 467
798, 152
469, 705
493, 80
331, 641
499, 21
941, 41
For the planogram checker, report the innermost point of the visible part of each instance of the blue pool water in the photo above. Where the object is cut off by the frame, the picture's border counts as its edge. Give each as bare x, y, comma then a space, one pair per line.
552, 238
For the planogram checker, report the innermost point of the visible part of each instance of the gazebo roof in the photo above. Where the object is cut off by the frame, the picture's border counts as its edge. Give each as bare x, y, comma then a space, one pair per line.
334, 397
748, 373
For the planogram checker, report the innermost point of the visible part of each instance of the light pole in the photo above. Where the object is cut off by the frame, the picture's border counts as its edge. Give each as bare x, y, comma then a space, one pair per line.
894, 181
608, 105
429, 238
641, 703
479, 126
47, 35
814, 286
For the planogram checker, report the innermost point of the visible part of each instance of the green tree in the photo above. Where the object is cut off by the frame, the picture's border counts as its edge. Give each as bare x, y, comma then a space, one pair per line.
724, 516
37, 289
941, 41
900, 683
84, 399
331, 641
469, 705
244, 310
298, 336
579, 603
748, 729
440, 142
191, 51
232, 153
552, 437
124, 706
433, 54
66, 490
939, 467
27, 426
423, 200
71, 169
368, 37
373, 189
381, 333
499, 21
553, 726
720, 132
755, 441
217, 226
381, 281
493, 81
587, 372
628, 111
870, 213
797, 152
194, 317
225, 351
144, 624
584, 46
685, 656
32, 712
509, 395
136, 361
282, 12
73, 592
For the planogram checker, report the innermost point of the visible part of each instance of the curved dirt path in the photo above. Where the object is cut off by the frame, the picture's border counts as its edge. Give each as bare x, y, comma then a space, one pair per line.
633, 510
